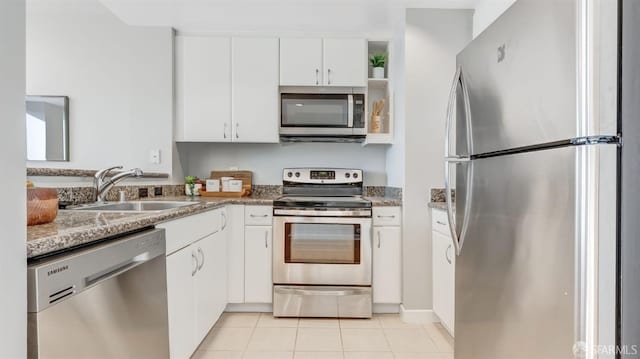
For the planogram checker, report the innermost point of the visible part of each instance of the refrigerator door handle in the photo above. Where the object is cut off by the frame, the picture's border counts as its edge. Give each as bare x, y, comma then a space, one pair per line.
458, 79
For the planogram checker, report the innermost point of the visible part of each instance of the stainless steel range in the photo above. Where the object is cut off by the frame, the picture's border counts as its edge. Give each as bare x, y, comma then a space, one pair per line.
322, 245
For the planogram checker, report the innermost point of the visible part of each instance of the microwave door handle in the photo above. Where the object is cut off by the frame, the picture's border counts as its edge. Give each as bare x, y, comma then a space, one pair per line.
350, 111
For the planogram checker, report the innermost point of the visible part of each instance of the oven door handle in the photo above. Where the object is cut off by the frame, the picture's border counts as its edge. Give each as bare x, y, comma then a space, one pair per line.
340, 293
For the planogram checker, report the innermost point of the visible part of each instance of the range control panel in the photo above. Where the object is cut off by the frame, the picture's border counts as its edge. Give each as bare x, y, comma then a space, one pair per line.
322, 175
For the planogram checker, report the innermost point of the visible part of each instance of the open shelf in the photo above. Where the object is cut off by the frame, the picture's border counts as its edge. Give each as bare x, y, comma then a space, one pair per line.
380, 89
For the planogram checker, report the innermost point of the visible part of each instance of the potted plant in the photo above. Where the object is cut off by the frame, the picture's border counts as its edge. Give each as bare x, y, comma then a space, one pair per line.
378, 61
191, 186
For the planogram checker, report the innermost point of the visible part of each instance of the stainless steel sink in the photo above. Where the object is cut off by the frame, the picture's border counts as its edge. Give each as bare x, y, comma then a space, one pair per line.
134, 206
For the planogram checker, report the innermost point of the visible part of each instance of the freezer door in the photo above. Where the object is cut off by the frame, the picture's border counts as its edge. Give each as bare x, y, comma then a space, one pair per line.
515, 273
521, 77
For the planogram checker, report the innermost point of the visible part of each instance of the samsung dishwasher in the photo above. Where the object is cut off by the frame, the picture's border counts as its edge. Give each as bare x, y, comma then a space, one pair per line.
103, 301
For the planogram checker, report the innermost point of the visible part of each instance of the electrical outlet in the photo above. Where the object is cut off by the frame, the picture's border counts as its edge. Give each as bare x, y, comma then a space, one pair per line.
154, 156
143, 192
157, 191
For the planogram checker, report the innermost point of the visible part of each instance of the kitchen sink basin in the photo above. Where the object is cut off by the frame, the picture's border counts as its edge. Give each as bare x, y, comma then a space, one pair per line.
134, 206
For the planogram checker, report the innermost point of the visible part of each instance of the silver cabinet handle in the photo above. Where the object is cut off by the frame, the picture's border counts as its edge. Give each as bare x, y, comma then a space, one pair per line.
195, 261
392, 216
237, 135
224, 133
446, 254
224, 220
441, 223
266, 239
378, 239
329, 76
260, 216
202, 255
317, 76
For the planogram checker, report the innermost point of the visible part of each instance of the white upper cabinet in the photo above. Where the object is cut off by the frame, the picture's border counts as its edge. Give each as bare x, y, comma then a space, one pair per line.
300, 62
203, 89
345, 62
323, 62
227, 89
255, 97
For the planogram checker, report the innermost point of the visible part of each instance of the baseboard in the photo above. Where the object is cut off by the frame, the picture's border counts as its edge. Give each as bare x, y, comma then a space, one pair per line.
249, 307
418, 316
383, 308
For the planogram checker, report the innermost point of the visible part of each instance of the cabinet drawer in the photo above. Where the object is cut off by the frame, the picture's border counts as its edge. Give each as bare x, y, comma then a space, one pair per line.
184, 231
386, 216
440, 221
258, 215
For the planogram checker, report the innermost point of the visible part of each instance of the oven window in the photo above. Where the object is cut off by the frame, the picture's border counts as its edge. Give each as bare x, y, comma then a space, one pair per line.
315, 111
322, 243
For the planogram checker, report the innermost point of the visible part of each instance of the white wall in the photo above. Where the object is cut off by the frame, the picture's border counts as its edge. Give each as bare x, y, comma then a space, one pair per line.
267, 160
486, 12
13, 257
433, 38
118, 79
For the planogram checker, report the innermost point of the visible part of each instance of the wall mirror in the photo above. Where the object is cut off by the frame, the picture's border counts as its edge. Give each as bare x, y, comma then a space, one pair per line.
47, 128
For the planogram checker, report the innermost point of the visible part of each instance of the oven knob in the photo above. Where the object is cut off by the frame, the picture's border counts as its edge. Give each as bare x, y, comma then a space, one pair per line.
347, 175
289, 174
355, 175
297, 174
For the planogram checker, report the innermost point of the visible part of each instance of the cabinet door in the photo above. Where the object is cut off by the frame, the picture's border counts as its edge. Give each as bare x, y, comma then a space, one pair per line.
235, 254
387, 267
443, 258
257, 260
181, 266
255, 78
345, 62
300, 62
210, 282
203, 88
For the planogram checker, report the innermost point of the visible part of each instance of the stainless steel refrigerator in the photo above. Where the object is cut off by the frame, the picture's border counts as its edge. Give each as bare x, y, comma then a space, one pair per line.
545, 203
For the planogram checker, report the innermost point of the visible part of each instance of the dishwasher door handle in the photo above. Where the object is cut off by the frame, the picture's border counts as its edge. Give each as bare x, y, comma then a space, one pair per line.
108, 273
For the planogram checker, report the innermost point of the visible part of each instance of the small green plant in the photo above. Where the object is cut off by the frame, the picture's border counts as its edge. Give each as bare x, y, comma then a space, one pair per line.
191, 182
378, 60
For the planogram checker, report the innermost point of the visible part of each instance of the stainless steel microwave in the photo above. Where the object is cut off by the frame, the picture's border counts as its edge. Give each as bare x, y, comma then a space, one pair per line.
322, 116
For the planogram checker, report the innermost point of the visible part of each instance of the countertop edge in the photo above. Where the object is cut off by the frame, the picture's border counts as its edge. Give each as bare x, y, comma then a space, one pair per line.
136, 221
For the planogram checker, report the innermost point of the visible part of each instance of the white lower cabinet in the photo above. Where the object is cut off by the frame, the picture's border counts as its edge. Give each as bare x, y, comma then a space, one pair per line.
387, 265
196, 281
210, 283
387, 256
258, 286
444, 264
180, 297
235, 254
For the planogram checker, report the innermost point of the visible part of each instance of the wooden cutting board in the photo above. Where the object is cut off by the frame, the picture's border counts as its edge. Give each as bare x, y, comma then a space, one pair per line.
245, 176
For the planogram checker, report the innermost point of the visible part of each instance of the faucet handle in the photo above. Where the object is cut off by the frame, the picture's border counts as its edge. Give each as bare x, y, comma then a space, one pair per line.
101, 174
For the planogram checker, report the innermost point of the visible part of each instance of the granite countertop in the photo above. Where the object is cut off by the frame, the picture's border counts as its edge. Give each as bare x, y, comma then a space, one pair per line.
385, 201
73, 228
438, 205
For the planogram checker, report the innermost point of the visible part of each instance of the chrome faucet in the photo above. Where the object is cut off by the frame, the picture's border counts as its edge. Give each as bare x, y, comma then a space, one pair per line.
102, 186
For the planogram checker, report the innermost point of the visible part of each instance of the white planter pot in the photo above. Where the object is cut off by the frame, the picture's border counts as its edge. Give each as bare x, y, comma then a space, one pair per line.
197, 188
378, 72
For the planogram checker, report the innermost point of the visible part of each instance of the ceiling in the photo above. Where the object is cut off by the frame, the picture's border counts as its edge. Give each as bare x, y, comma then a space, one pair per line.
345, 17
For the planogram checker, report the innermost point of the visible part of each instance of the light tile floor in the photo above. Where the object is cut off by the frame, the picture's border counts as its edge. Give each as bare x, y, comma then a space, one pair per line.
385, 336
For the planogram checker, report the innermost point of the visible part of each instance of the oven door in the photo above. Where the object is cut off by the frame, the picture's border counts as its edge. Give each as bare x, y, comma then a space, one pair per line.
316, 114
322, 251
